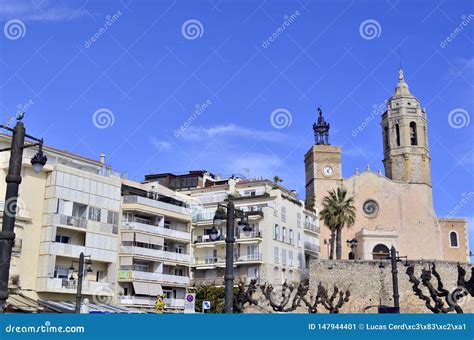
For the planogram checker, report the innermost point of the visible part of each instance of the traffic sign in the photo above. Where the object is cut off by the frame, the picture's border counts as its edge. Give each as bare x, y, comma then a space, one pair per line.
206, 305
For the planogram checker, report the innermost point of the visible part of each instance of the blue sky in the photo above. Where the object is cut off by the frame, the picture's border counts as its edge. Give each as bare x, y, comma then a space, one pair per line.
153, 64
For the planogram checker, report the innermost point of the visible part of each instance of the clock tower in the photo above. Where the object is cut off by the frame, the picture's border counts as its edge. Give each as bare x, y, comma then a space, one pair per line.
322, 164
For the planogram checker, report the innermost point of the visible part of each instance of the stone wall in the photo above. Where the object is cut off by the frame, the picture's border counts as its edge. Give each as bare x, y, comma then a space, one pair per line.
370, 285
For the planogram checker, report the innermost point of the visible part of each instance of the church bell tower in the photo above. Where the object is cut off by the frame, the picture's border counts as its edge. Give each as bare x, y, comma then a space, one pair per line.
405, 137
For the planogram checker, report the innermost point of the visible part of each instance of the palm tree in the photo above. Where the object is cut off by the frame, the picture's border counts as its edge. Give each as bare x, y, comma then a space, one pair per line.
277, 180
338, 212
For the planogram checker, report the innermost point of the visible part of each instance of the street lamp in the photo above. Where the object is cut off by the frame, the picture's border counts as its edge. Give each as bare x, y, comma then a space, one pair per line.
394, 258
232, 214
80, 275
13, 180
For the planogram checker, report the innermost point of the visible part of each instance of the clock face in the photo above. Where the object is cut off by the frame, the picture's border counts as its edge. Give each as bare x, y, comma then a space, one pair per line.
327, 171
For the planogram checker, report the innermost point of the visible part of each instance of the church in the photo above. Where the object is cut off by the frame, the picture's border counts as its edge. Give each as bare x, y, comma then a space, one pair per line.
392, 209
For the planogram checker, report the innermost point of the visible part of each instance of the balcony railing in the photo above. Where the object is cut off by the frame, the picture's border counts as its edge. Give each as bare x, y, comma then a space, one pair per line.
219, 280
311, 247
221, 259
158, 230
165, 278
149, 301
311, 227
69, 286
62, 249
161, 254
72, 221
132, 199
240, 236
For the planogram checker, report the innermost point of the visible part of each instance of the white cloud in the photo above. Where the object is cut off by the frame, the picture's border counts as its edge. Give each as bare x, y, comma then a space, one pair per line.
258, 164
232, 131
38, 11
160, 144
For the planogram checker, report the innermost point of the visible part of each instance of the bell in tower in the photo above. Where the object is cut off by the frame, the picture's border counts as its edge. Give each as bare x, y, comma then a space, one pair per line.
321, 130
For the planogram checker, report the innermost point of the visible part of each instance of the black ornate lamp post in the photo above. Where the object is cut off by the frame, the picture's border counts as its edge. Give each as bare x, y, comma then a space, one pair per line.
232, 214
394, 258
13, 180
80, 277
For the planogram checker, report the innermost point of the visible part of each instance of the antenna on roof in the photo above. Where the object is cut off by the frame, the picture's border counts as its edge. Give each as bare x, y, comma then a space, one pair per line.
400, 56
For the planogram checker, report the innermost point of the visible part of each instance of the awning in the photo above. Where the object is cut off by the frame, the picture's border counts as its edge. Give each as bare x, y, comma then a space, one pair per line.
127, 237
142, 238
141, 288
126, 260
20, 303
150, 289
154, 289
160, 241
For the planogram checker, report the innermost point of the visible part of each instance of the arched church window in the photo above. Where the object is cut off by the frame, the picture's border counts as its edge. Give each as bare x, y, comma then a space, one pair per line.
397, 131
380, 252
453, 239
387, 137
413, 136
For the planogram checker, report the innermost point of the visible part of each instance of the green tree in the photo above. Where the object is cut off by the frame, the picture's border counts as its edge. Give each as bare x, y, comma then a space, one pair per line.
212, 293
277, 180
338, 212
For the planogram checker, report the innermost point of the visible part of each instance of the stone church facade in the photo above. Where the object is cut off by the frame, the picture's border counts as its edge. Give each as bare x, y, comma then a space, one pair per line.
391, 209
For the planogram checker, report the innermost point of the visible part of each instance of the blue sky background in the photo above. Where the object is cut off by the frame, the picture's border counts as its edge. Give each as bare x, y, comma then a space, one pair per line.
150, 77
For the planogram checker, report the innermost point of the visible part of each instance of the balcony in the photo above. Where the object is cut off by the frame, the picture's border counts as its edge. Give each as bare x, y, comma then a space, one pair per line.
149, 301
220, 260
240, 237
219, 280
148, 276
62, 249
132, 199
58, 285
170, 233
311, 227
311, 247
160, 254
70, 221
209, 216
136, 300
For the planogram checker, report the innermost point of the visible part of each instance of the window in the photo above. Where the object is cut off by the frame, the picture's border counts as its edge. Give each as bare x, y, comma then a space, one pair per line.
283, 256
250, 193
387, 138
397, 131
112, 217
299, 239
283, 214
453, 239
61, 272
283, 234
290, 258
290, 240
276, 254
63, 239
298, 220
276, 232
413, 136
94, 214
100, 276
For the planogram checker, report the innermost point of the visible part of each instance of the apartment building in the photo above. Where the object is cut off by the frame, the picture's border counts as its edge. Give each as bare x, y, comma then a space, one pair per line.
154, 254
72, 206
284, 234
